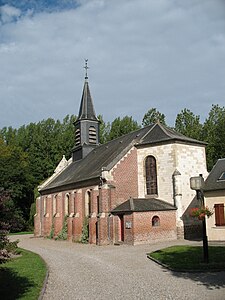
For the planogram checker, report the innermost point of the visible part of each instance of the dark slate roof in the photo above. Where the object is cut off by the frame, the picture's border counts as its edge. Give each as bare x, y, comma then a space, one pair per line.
107, 155
163, 134
104, 156
216, 179
86, 107
140, 205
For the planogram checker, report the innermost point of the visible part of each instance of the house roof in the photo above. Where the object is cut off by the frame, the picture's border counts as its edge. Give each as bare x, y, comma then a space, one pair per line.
107, 155
216, 178
140, 205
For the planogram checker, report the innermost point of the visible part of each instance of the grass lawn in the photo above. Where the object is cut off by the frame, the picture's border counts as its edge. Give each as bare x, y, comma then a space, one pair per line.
181, 258
22, 232
22, 277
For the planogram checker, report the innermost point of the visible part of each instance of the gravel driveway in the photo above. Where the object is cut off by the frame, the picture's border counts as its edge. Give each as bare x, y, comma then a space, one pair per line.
79, 271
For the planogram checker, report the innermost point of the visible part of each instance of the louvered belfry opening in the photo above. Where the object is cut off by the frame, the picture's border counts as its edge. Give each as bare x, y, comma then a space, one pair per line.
92, 135
151, 175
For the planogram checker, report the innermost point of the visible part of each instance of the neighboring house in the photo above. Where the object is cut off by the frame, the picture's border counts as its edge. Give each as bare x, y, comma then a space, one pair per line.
134, 189
214, 191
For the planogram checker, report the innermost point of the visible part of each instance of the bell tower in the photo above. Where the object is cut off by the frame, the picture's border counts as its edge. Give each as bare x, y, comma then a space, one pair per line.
86, 125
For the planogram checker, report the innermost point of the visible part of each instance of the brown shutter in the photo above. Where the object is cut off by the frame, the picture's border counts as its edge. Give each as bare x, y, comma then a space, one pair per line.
219, 214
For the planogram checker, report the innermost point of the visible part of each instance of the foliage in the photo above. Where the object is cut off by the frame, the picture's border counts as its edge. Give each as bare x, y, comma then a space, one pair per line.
52, 231
153, 116
22, 277
188, 124
181, 258
85, 231
201, 212
122, 126
104, 130
214, 134
62, 235
6, 247
29, 155
31, 218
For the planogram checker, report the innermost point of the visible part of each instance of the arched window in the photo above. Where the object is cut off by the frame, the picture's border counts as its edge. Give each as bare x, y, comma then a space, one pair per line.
54, 208
92, 135
87, 203
151, 175
66, 205
155, 221
45, 206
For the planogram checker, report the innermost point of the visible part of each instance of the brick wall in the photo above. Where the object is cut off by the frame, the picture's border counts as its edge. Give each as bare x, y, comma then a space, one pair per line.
144, 232
125, 178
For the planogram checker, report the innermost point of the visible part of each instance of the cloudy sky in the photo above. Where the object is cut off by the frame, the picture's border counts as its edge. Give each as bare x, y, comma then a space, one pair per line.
167, 54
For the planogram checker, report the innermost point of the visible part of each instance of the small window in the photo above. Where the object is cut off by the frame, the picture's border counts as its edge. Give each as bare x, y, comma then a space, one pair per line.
219, 214
155, 221
222, 176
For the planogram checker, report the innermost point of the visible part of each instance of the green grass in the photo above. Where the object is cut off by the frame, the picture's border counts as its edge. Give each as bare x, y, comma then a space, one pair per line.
181, 258
22, 277
20, 233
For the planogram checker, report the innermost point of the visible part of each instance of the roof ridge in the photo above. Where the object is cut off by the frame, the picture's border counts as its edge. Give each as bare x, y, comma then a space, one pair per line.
150, 129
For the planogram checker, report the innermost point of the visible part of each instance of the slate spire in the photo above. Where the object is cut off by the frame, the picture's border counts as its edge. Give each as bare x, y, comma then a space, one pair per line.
86, 125
86, 111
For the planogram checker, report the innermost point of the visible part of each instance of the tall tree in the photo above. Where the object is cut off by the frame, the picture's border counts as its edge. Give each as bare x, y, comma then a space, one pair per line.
122, 126
214, 135
153, 116
104, 130
189, 124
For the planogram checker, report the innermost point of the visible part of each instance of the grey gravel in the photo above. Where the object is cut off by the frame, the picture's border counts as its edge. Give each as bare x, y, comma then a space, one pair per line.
79, 271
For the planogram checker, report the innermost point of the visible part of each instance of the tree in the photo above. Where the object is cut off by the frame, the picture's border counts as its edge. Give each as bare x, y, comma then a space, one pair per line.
122, 126
104, 130
153, 116
214, 135
5, 245
189, 124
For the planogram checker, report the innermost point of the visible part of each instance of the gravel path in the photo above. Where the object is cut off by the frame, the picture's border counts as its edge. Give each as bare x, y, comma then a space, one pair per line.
79, 271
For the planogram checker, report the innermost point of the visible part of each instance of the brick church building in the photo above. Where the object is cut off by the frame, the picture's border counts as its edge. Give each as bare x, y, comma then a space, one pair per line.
134, 189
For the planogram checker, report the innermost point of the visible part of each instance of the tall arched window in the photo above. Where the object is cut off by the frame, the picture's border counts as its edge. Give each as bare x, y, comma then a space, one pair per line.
151, 175
66, 203
54, 207
87, 203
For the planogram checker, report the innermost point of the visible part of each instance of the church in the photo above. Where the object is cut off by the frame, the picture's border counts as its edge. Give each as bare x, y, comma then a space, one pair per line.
132, 190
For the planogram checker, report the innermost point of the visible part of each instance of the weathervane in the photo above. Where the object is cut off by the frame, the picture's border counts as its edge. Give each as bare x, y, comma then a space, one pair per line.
86, 68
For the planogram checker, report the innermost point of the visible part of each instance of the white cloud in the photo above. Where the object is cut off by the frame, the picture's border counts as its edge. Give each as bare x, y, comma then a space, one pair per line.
9, 13
142, 54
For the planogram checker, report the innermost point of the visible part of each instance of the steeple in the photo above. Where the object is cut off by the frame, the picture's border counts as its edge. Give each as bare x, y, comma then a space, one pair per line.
87, 124
86, 111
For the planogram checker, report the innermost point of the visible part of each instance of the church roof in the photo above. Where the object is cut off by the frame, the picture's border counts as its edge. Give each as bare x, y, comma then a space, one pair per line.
107, 155
86, 111
216, 178
143, 204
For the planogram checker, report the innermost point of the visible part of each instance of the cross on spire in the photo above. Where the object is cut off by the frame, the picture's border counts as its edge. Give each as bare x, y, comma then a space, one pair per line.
86, 68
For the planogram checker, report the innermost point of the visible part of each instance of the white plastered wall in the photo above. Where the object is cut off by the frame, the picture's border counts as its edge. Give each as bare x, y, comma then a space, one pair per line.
215, 233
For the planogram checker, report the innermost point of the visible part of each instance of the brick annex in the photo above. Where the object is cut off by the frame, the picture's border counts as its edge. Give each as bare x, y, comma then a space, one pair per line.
134, 189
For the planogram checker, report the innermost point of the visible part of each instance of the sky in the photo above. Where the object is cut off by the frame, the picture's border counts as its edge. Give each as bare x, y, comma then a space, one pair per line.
142, 54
